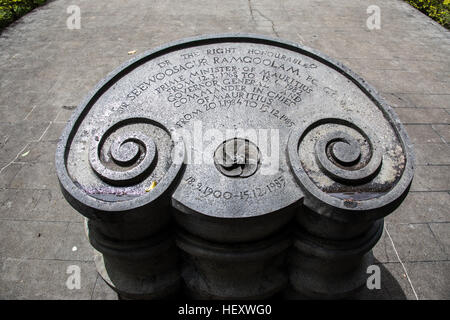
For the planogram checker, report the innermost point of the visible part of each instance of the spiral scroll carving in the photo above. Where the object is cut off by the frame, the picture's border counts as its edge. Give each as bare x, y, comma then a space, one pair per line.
343, 151
126, 159
341, 161
344, 158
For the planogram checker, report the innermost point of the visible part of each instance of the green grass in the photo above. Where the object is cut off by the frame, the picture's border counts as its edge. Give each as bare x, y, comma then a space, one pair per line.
11, 10
438, 10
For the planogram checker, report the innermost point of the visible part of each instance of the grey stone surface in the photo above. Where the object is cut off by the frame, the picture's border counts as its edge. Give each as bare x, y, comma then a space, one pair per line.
394, 284
429, 100
75, 245
49, 68
44, 279
38, 175
432, 153
423, 116
416, 242
422, 207
102, 291
15, 206
443, 130
51, 206
431, 178
31, 239
430, 279
9, 171
441, 233
423, 134
383, 251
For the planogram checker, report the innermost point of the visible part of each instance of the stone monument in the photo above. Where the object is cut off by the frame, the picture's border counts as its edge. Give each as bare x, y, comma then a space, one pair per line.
234, 167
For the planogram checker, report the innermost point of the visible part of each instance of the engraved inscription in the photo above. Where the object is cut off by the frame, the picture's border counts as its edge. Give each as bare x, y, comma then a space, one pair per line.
256, 192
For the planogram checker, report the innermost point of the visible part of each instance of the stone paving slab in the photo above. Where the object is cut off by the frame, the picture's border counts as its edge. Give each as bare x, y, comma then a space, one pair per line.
431, 278
46, 69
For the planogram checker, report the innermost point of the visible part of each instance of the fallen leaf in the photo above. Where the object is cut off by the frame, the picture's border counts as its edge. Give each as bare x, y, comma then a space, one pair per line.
152, 186
132, 52
26, 153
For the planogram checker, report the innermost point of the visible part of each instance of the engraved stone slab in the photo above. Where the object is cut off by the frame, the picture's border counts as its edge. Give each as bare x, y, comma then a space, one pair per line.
171, 124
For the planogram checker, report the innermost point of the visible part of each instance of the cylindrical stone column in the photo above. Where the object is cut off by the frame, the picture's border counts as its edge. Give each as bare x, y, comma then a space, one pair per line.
254, 270
352, 177
238, 250
122, 184
330, 269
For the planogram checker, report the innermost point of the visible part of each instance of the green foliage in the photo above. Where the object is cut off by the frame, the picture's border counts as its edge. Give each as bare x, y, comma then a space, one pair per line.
438, 10
11, 10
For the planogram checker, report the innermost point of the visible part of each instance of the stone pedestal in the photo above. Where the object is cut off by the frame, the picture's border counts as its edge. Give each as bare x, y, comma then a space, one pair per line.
231, 140
331, 269
254, 270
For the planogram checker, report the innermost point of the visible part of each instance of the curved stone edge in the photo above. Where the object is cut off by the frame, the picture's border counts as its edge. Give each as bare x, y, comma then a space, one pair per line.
326, 205
208, 267
232, 230
327, 269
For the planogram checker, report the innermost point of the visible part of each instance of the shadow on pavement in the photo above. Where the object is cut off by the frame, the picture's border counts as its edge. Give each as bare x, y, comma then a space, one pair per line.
390, 288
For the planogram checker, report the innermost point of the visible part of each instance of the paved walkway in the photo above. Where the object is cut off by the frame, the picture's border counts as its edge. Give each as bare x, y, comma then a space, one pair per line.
46, 69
